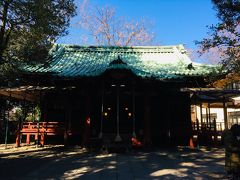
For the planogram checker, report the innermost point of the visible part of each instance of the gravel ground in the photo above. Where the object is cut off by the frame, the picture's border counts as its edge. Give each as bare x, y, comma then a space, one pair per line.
57, 162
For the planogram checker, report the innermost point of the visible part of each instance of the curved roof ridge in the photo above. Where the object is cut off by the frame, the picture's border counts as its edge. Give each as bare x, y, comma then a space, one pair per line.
167, 48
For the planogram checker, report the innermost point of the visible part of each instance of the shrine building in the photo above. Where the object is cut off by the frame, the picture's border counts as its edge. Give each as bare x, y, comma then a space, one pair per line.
114, 93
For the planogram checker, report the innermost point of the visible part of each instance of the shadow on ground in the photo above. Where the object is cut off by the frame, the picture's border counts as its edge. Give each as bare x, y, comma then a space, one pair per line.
77, 163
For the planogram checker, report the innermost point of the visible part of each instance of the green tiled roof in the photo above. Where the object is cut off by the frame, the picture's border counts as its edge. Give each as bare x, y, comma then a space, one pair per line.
160, 62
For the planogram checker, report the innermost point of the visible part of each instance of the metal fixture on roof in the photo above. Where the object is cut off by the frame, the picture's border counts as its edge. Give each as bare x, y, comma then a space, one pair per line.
190, 67
117, 61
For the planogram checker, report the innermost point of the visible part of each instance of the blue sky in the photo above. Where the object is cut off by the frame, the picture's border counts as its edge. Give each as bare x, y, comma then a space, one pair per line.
174, 21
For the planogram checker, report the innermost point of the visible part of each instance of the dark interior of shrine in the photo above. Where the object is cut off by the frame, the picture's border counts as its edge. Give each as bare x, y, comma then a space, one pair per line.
150, 109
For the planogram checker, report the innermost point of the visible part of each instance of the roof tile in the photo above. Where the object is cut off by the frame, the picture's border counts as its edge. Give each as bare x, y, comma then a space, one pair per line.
161, 62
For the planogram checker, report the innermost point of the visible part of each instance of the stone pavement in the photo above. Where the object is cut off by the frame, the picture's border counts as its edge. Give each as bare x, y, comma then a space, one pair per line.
77, 163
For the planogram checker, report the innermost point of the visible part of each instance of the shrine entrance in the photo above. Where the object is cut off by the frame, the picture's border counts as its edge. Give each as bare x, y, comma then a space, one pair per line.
118, 108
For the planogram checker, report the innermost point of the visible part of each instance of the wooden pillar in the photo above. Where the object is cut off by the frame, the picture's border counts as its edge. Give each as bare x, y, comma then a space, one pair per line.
68, 119
27, 138
209, 116
42, 139
43, 112
215, 129
36, 137
197, 121
225, 115
102, 109
118, 137
87, 120
18, 139
147, 121
133, 112
38, 129
41, 117
18, 135
201, 118
6, 126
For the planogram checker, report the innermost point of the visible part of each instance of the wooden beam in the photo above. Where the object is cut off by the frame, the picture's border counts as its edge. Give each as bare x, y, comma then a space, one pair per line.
19, 95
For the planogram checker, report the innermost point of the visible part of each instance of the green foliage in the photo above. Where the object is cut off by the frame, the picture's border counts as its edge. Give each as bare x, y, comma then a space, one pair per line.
16, 114
28, 29
226, 34
33, 114
25, 113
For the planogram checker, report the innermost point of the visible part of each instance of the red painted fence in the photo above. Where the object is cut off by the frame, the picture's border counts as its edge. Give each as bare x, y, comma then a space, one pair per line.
41, 129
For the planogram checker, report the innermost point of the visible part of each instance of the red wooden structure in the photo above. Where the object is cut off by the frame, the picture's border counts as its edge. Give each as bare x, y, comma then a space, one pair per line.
41, 129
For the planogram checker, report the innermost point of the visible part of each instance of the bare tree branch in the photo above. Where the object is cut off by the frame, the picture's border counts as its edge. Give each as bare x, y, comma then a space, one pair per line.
108, 29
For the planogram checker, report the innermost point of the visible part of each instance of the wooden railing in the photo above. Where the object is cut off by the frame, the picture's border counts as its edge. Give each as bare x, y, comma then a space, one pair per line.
218, 126
41, 129
49, 128
207, 133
